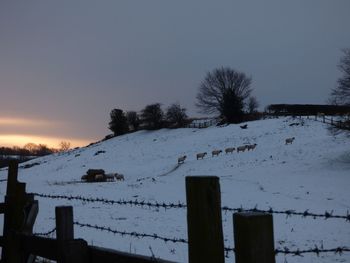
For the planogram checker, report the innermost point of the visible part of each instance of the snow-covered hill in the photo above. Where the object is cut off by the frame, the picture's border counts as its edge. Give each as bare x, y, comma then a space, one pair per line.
312, 173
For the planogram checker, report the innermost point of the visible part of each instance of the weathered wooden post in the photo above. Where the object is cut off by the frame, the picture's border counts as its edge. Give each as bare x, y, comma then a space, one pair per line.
70, 250
204, 225
14, 216
253, 235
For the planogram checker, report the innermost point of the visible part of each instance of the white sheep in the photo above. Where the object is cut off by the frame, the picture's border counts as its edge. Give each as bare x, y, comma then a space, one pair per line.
201, 155
241, 148
290, 140
215, 152
119, 177
110, 177
251, 146
181, 159
100, 177
230, 150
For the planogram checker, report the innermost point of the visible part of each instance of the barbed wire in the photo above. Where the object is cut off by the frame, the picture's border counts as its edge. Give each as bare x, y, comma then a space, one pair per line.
288, 213
316, 250
119, 202
179, 205
298, 252
227, 250
45, 233
132, 234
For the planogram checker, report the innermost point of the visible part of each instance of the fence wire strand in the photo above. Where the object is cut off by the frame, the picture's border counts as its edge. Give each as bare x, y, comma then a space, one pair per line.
179, 205
132, 234
45, 233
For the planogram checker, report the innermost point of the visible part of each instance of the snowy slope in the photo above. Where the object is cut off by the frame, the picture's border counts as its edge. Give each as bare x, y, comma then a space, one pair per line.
312, 173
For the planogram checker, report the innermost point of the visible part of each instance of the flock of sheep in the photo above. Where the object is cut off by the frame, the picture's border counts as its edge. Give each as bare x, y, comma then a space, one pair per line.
242, 148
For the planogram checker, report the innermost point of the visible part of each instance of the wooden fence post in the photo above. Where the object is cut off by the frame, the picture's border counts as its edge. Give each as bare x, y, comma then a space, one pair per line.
69, 250
253, 235
14, 218
204, 225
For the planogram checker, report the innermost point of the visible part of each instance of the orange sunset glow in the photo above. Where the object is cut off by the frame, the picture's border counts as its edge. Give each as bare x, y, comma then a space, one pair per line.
20, 131
9, 140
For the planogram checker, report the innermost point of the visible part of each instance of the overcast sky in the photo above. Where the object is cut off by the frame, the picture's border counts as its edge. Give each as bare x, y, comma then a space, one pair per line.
65, 64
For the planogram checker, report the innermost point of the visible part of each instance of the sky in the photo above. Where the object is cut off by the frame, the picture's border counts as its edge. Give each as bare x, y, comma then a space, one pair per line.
64, 65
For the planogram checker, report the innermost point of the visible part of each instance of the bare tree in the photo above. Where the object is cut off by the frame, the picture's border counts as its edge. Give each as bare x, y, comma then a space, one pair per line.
341, 94
31, 147
64, 146
176, 115
224, 91
44, 150
253, 105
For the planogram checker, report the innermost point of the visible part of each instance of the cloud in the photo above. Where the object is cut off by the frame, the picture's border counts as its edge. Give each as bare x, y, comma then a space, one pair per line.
8, 121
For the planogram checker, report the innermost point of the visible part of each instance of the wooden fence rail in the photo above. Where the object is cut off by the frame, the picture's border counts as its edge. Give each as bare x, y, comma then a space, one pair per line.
253, 232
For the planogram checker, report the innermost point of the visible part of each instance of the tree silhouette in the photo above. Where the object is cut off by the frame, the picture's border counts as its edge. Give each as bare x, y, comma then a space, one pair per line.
341, 94
118, 124
176, 115
253, 105
224, 91
152, 116
133, 119
64, 146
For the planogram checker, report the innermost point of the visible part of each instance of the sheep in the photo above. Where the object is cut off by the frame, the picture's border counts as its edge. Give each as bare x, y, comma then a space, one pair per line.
290, 140
215, 152
251, 146
241, 148
181, 159
229, 150
119, 177
201, 155
100, 177
110, 177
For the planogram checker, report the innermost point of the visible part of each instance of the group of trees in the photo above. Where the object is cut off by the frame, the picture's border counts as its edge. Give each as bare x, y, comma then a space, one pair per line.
152, 117
32, 149
223, 91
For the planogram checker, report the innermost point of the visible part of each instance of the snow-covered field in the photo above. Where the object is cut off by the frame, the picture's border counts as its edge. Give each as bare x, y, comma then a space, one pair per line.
312, 173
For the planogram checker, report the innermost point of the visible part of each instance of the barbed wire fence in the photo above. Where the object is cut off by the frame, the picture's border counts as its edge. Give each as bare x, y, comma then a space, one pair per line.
180, 205
228, 250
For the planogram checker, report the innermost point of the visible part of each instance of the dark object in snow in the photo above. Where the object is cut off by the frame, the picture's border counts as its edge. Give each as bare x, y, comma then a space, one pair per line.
98, 152
245, 126
295, 123
94, 175
99, 175
30, 165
